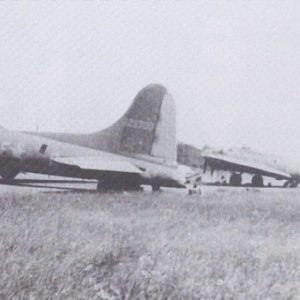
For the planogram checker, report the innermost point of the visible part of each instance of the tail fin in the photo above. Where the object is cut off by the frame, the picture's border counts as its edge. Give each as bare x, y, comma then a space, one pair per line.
147, 128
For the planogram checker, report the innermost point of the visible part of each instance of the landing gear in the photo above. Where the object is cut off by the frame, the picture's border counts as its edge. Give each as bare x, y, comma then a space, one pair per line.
235, 179
155, 187
294, 184
291, 184
257, 181
8, 174
223, 180
194, 189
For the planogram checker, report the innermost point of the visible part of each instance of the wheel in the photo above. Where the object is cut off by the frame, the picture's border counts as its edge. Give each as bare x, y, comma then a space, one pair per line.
291, 183
155, 187
257, 181
8, 175
235, 179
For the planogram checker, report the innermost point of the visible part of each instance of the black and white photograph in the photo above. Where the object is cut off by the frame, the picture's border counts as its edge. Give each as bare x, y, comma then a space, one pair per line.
149, 149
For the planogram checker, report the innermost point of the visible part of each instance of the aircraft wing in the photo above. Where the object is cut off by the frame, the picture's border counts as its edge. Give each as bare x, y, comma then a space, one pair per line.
227, 163
110, 171
97, 163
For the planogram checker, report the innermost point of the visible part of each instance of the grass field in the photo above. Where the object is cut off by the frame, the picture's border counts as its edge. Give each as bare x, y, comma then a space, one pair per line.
226, 244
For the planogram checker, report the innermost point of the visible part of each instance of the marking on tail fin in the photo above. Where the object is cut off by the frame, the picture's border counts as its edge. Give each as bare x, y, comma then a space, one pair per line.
138, 124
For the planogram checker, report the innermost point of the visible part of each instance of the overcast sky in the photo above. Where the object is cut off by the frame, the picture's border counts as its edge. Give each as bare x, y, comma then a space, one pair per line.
232, 66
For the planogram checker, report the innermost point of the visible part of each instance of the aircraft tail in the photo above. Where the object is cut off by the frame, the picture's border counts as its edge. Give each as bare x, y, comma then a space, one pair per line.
147, 128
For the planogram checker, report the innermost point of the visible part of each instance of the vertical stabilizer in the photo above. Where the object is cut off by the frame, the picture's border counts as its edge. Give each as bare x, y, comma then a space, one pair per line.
148, 127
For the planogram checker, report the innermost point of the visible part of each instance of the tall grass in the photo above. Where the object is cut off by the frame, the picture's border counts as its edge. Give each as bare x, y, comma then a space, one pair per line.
227, 244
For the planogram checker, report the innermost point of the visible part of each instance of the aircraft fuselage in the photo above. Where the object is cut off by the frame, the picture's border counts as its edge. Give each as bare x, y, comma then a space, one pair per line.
22, 152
